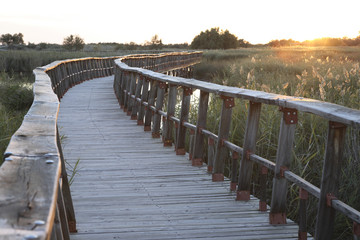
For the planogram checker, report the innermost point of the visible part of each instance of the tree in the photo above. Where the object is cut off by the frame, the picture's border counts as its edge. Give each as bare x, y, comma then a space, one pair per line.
10, 40
215, 39
73, 43
155, 42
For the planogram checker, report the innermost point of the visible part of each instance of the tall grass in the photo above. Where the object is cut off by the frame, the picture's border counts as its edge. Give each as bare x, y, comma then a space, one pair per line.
327, 74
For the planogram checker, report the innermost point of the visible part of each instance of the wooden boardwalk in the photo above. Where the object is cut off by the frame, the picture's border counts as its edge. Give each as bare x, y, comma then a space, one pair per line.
131, 187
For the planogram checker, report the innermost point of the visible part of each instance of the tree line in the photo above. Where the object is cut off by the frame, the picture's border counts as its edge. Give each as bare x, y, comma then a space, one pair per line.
319, 42
213, 38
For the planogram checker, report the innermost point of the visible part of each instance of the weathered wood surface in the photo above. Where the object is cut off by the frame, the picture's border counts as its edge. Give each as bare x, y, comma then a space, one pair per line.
326, 110
130, 187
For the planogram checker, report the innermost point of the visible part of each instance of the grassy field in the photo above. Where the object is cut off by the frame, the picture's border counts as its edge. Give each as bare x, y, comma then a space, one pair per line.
327, 74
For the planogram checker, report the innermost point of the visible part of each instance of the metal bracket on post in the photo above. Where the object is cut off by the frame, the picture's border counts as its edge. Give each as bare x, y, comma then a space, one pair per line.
329, 198
188, 91
229, 101
162, 85
290, 115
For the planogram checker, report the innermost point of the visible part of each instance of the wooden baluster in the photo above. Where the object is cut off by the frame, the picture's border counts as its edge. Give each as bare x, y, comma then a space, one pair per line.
116, 85
135, 107
127, 91
131, 101
330, 180
246, 165
224, 128
69, 207
151, 101
191, 148
262, 181
211, 154
283, 156
57, 225
144, 98
303, 196
201, 124
159, 104
356, 230
122, 89
62, 215
184, 115
168, 129
234, 170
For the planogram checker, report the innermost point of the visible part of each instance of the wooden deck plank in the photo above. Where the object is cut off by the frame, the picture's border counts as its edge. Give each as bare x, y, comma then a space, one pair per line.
129, 186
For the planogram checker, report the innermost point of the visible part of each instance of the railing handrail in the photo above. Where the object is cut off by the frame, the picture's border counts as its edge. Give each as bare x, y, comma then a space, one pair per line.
127, 77
31, 196
330, 111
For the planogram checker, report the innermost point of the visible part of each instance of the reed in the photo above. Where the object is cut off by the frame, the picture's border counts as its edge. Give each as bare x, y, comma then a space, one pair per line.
327, 74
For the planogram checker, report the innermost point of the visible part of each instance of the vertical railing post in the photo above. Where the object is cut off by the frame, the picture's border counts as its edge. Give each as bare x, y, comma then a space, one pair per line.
198, 152
262, 182
246, 165
330, 180
159, 104
126, 90
144, 98
69, 207
234, 170
210, 155
168, 129
131, 101
224, 127
356, 230
184, 115
303, 196
135, 107
283, 156
151, 101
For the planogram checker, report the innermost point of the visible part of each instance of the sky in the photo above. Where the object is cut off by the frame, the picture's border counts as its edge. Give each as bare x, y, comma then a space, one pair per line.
256, 21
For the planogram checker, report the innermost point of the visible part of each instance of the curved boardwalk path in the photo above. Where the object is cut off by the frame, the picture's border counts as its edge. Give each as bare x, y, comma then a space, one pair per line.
131, 187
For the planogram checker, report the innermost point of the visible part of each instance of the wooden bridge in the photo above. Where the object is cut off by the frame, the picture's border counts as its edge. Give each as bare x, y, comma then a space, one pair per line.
131, 182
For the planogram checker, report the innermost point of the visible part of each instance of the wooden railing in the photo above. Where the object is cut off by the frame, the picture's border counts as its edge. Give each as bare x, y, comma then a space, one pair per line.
141, 93
35, 198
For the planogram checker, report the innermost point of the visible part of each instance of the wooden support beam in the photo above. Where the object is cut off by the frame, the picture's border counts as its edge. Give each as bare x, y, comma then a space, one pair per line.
224, 127
211, 154
144, 98
303, 196
330, 180
68, 203
283, 159
198, 153
159, 104
131, 101
151, 102
246, 165
139, 82
184, 115
126, 91
168, 129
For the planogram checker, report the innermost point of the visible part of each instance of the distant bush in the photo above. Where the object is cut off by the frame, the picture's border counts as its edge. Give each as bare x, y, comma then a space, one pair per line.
215, 39
73, 43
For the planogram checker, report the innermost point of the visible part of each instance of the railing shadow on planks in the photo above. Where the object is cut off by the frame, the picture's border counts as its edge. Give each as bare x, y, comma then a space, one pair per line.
141, 93
35, 198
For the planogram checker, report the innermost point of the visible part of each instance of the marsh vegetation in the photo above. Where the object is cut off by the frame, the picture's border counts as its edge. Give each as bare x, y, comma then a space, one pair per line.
329, 74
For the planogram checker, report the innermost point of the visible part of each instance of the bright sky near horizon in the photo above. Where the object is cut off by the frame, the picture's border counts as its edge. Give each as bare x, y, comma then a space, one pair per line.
256, 21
